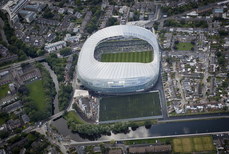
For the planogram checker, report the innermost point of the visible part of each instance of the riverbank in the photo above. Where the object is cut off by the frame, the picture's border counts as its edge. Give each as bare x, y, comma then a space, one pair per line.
54, 78
156, 130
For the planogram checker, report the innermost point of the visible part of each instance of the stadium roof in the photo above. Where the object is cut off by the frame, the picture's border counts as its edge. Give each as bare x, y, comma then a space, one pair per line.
91, 69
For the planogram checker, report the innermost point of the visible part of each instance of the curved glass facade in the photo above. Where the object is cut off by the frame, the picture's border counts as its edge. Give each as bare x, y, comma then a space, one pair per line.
120, 77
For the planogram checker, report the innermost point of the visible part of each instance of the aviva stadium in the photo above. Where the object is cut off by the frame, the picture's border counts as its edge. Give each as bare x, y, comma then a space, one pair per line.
120, 76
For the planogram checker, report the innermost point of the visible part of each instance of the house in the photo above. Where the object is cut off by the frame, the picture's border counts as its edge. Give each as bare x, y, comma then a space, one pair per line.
38, 7
13, 107
61, 10
28, 16
115, 151
218, 12
25, 118
12, 124
50, 47
72, 39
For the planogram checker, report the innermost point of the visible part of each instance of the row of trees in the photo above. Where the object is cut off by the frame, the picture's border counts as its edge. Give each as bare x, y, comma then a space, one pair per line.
93, 24
221, 59
57, 65
64, 96
95, 131
72, 69
183, 23
112, 21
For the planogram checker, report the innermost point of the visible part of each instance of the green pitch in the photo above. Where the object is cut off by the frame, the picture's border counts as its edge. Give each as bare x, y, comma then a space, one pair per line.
129, 106
184, 46
140, 57
193, 144
37, 95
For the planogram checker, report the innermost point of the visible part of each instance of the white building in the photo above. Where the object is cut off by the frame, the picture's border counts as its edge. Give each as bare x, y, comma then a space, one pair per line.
72, 39
118, 77
50, 47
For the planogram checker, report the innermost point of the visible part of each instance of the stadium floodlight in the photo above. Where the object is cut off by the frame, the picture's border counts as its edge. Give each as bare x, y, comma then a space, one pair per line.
118, 77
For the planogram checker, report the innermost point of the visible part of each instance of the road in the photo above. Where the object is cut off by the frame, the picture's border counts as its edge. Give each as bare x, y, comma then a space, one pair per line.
191, 118
31, 60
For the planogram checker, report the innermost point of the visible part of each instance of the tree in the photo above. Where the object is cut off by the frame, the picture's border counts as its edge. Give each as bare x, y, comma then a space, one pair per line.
193, 42
40, 52
175, 47
65, 51
133, 126
169, 60
147, 124
48, 14
4, 134
176, 42
112, 21
23, 90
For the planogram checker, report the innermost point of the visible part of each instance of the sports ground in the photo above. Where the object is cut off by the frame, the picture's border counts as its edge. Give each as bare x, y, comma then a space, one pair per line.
193, 144
129, 106
141, 57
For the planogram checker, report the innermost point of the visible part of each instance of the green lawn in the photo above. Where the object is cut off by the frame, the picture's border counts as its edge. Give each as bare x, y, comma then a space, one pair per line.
193, 144
37, 95
129, 106
141, 57
184, 46
148, 141
72, 116
3, 90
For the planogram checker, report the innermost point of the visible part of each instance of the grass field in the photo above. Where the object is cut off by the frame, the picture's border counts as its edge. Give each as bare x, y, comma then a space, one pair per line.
148, 141
72, 116
37, 95
184, 46
130, 106
3, 90
141, 57
193, 144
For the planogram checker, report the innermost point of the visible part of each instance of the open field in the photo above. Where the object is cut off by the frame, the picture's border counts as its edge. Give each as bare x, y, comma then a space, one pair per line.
37, 95
193, 144
129, 106
3, 90
148, 141
184, 46
141, 57
73, 117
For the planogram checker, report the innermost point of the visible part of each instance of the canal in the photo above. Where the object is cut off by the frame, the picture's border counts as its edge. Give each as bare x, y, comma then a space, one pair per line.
161, 129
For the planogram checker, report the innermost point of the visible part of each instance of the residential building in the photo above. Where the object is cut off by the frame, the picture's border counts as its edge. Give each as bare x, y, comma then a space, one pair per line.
55, 46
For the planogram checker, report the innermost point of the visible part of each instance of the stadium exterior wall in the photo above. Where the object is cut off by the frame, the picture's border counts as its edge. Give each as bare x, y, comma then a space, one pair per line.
120, 77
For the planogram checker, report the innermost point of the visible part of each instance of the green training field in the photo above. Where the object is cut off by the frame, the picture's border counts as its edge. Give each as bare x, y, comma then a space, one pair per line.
184, 46
37, 95
130, 106
3, 90
193, 144
141, 57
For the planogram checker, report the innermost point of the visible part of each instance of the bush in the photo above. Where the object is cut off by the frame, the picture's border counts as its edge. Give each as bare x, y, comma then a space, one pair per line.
64, 96
65, 51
